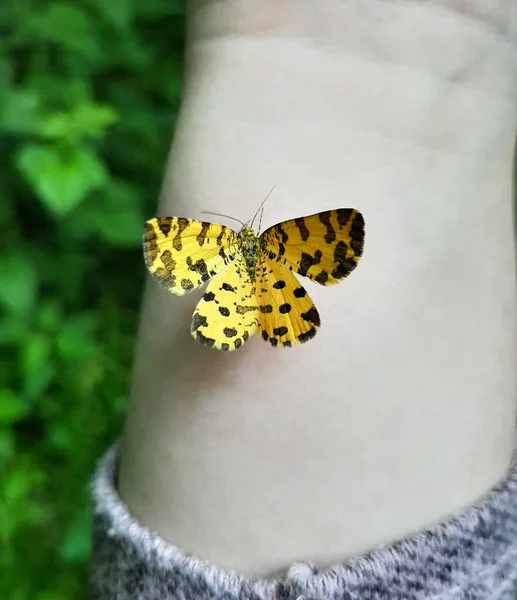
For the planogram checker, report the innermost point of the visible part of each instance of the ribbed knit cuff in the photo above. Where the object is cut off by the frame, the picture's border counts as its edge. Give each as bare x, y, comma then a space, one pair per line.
471, 556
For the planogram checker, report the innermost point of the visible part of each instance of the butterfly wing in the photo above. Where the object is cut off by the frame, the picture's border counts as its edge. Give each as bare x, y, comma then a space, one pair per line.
324, 247
287, 315
182, 254
227, 314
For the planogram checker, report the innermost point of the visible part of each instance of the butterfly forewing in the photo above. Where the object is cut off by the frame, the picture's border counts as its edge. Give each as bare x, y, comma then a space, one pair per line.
324, 247
183, 253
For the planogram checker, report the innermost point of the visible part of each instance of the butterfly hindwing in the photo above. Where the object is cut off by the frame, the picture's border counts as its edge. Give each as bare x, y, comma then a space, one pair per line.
182, 254
226, 315
325, 247
287, 315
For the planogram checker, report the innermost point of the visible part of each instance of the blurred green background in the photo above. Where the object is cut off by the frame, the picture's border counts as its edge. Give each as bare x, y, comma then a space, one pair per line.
89, 91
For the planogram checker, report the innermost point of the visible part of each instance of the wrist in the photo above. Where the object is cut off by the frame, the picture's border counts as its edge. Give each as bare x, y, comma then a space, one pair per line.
416, 349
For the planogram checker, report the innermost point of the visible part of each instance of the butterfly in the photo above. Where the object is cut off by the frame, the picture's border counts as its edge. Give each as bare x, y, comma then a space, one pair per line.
252, 284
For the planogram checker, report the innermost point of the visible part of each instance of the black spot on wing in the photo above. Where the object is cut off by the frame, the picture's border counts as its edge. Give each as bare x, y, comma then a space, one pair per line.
357, 234
182, 225
164, 224
267, 308
208, 296
299, 292
227, 287
343, 216
322, 277
199, 267
279, 285
225, 347
219, 238
340, 252
305, 337
229, 332
197, 322
168, 262
224, 311
344, 269
206, 341
284, 308
287, 344
201, 236
241, 310
265, 335
283, 235
330, 236
304, 232
344, 265
187, 284
273, 341
307, 261
280, 331
312, 316
150, 244
165, 277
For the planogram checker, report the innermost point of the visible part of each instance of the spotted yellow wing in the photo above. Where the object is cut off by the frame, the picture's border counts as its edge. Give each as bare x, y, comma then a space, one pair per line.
182, 254
324, 247
287, 315
227, 314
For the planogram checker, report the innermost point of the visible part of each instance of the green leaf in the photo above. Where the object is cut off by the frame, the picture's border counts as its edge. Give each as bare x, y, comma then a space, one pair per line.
122, 218
75, 340
93, 119
12, 408
13, 329
85, 120
154, 8
51, 595
19, 283
7, 446
116, 12
61, 182
19, 110
36, 365
17, 485
59, 93
61, 437
58, 126
50, 314
76, 544
66, 25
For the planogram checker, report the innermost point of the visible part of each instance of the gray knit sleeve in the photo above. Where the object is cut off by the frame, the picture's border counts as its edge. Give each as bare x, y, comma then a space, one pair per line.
471, 556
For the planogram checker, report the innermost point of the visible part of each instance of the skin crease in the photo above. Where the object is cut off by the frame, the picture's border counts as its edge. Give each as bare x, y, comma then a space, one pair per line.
401, 410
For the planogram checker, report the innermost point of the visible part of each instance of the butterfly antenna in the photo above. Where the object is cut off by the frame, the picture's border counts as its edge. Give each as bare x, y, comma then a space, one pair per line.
209, 212
260, 220
262, 206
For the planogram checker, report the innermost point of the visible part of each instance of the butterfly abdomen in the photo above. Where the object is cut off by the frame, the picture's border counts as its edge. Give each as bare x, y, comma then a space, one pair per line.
250, 247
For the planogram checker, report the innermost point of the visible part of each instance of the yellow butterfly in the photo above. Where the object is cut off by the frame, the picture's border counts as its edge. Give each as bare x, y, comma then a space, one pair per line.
252, 286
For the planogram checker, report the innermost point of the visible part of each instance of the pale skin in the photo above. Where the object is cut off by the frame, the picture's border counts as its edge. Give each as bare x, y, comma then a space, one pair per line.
401, 410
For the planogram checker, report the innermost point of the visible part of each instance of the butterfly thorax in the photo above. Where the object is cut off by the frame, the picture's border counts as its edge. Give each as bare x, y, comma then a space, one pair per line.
250, 247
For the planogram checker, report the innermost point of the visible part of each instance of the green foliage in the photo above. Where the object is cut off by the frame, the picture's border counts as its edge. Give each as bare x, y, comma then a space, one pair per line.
89, 90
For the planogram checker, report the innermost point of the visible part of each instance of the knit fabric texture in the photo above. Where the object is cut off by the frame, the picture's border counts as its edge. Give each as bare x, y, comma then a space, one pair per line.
471, 556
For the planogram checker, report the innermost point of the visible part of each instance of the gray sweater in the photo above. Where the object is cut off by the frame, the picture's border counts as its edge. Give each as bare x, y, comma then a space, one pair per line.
471, 556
